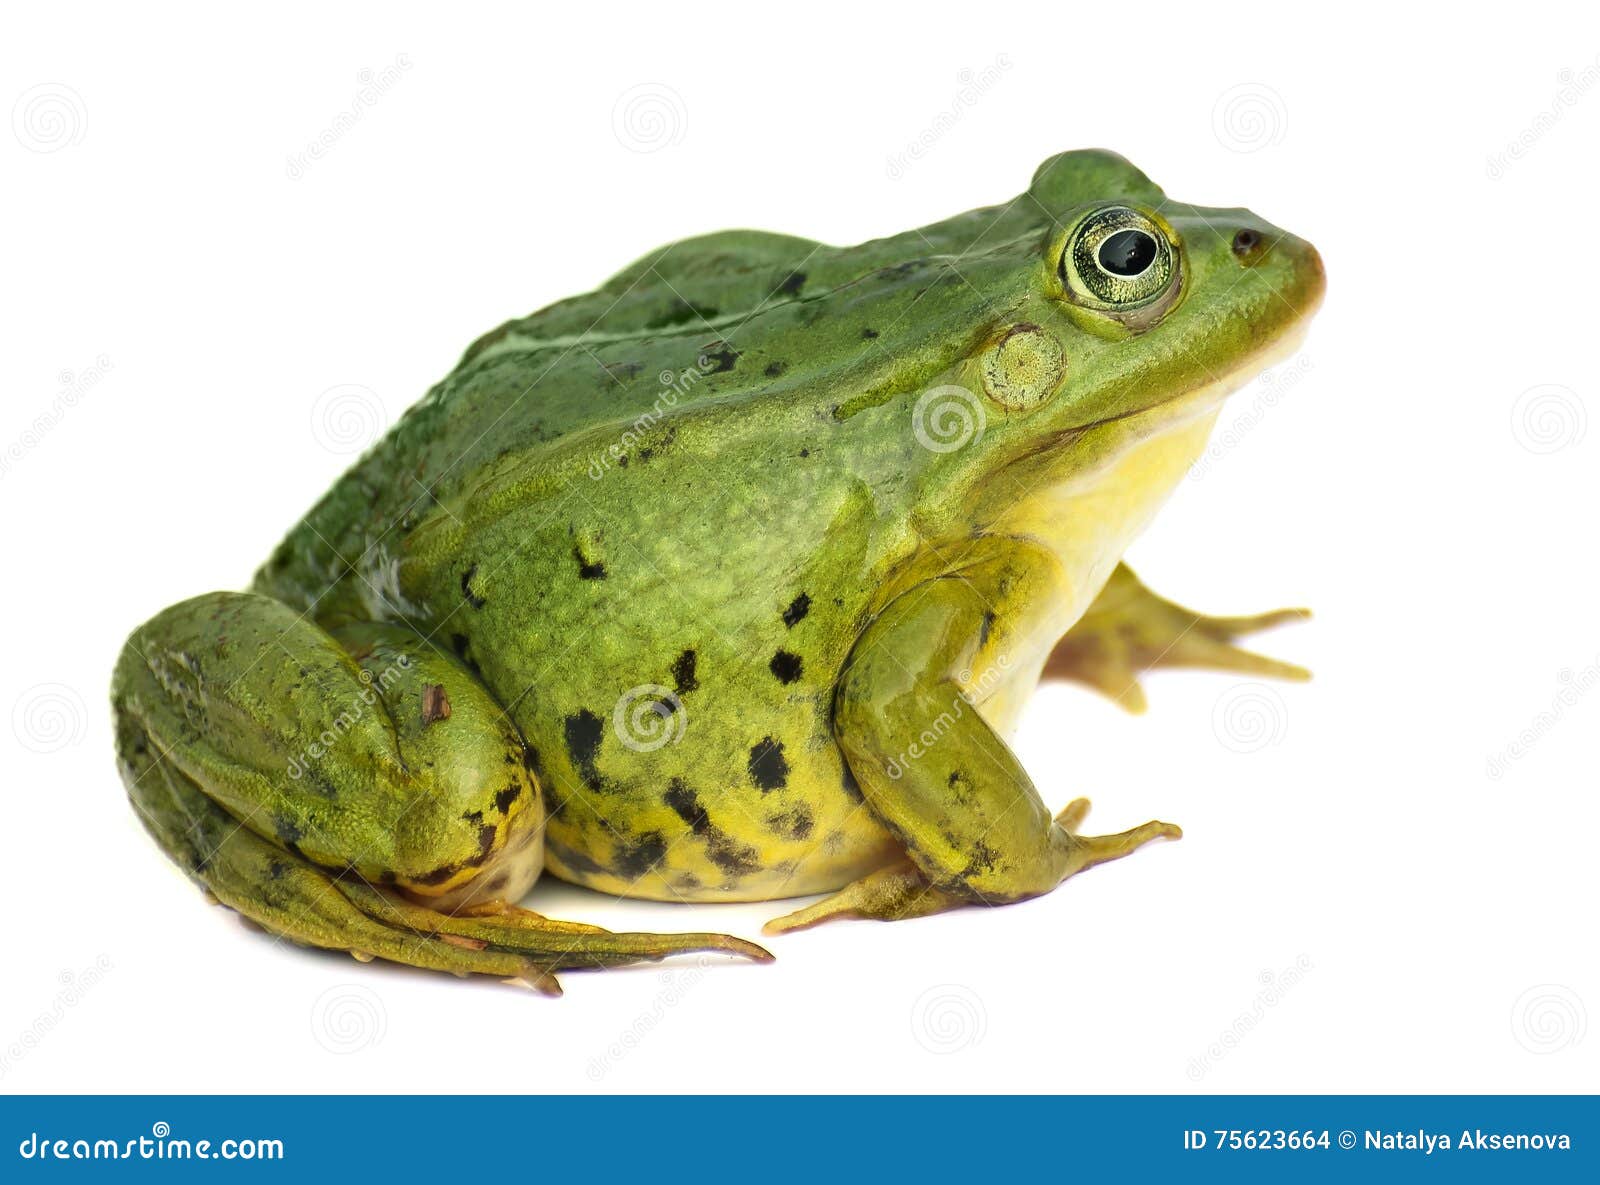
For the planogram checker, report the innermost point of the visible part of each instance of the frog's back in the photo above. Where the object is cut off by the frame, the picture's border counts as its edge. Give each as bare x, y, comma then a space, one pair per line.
608, 376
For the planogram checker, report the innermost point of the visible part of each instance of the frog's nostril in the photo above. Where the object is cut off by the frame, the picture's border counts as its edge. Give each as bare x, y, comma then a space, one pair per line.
1245, 242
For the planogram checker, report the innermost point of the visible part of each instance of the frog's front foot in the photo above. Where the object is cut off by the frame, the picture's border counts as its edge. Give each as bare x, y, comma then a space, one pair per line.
1129, 629
351, 789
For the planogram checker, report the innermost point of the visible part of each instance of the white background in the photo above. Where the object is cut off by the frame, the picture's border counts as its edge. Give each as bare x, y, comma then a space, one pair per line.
1361, 901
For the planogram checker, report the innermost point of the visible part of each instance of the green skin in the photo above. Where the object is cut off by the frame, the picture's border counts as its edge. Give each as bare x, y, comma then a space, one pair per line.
723, 582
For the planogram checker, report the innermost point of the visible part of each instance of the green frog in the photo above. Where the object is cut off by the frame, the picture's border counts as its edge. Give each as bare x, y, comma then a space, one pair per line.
723, 582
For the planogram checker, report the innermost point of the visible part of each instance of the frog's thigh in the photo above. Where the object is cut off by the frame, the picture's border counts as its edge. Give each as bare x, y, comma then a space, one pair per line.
344, 789
937, 776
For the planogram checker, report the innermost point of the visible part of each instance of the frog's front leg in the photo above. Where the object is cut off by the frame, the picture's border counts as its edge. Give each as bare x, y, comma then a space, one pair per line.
353, 789
1129, 629
975, 830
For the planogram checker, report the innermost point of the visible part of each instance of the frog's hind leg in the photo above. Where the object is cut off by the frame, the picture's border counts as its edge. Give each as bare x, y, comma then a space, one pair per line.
893, 893
900, 891
354, 790
1129, 629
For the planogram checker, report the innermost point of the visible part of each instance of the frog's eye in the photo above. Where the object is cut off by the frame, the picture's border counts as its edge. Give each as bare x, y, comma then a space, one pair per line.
1118, 260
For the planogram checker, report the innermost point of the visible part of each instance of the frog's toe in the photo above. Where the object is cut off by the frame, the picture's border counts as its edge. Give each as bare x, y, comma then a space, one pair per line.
1129, 630
558, 945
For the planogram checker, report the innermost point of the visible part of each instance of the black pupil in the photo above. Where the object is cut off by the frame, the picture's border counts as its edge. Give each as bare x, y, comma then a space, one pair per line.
1128, 253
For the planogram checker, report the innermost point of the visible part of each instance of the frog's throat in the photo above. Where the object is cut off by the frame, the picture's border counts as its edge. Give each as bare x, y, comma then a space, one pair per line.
1209, 393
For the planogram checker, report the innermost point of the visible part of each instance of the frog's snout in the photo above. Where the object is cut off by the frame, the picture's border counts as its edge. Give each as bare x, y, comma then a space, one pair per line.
1295, 265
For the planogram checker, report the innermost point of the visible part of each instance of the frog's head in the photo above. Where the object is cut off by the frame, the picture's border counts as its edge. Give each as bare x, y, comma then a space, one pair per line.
1125, 314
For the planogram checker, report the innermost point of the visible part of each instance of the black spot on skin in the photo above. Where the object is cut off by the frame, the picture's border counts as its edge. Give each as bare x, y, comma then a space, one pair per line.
792, 283
786, 666
686, 805
634, 859
773, 370
584, 730
984, 627
532, 763
288, 830
733, 858
588, 569
720, 357
852, 788
796, 823
485, 841
438, 875
984, 859
868, 334
504, 798
683, 676
573, 859
277, 870
768, 768
680, 312
474, 817
459, 643
473, 598
498, 883
797, 610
